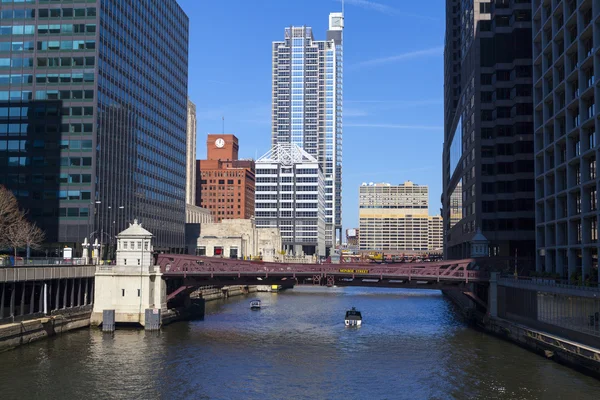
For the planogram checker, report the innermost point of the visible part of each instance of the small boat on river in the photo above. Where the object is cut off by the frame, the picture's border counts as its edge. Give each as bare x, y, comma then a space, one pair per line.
255, 305
353, 318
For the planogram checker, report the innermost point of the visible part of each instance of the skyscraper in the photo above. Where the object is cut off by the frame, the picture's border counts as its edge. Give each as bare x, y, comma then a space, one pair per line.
190, 175
307, 106
290, 196
566, 40
488, 140
93, 109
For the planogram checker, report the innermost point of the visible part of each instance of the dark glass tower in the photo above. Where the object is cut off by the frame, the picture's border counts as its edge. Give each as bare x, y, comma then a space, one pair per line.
93, 111
488, 178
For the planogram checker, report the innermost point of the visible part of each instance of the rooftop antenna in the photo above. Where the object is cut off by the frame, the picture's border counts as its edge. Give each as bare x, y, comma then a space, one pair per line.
342, 8
223, 125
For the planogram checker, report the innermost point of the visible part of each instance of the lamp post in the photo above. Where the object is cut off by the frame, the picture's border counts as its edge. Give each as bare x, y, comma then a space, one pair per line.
113, 229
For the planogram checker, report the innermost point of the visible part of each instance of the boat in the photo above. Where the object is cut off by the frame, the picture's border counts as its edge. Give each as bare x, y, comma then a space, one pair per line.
353, 318
255, 305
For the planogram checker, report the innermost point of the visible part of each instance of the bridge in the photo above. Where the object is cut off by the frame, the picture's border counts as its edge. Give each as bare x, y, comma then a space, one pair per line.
184, 272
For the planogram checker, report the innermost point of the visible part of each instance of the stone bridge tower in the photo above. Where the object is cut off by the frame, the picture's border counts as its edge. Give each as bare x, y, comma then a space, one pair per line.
133, 289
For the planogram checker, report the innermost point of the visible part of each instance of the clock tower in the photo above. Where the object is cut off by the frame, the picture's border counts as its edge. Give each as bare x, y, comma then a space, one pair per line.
221, 147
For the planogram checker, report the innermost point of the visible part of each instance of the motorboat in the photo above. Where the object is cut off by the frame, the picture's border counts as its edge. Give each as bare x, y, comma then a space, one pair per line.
255, 305
353, 317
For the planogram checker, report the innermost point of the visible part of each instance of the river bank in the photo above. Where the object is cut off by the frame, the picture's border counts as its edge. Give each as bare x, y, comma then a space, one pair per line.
15, 334
573, 354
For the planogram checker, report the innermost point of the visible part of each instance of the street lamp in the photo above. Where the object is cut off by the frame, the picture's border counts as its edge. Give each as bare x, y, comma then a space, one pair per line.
113, 228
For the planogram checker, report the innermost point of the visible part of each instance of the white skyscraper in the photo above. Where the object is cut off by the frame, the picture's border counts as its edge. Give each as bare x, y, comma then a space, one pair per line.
307, 106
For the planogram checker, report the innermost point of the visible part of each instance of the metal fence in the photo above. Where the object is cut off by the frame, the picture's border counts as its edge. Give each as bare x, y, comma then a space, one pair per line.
41, 261
550, 282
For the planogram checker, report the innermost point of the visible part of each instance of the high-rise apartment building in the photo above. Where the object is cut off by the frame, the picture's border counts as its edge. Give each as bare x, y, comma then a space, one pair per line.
224, 183
566, 39
190, 174
307, 106
93, 116
488, 140
290, 195
396, 217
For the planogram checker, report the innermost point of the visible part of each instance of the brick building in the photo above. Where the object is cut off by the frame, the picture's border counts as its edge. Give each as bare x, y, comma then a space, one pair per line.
225, 184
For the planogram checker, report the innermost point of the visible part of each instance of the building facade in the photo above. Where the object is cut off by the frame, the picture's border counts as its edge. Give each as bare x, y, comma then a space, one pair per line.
307, 106
566, 39
224, 183
396, 217
239, 238
290, 195
352, 237
435, 233
93, 118
190, 171
488, 140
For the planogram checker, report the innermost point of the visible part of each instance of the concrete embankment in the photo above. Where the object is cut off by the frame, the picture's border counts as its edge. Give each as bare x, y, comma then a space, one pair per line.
559, 349
17, 333
223, 293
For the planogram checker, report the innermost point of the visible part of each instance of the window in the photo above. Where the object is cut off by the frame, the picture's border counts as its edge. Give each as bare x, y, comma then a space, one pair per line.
139, 292
124, 245
123, 292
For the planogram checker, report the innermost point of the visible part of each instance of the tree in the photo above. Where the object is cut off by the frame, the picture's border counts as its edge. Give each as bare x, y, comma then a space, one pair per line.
9, 214
16, 233
15, 230
33, 236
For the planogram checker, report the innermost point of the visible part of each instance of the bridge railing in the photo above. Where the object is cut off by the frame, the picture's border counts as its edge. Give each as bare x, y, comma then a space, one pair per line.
447, 270
40, 261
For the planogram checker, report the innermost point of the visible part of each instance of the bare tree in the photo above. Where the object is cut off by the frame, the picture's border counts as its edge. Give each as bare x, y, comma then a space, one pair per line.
9, 214
33, 236
16, 234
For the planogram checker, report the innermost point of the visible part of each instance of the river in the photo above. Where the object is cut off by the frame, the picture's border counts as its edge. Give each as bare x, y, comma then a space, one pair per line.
412, 346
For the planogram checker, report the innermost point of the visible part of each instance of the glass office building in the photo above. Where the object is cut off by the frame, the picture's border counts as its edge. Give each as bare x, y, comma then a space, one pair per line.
307, 106
93, 113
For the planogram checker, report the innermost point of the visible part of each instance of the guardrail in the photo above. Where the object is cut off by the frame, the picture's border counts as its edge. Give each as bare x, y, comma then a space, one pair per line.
41, 273
549, 282
41, 261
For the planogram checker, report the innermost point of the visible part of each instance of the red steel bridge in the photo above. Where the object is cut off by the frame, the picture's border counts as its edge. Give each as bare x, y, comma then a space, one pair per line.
184, 273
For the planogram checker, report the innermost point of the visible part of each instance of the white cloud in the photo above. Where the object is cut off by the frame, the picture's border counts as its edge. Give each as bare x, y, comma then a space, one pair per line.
396, 126
354, 112
434, 51
384, 9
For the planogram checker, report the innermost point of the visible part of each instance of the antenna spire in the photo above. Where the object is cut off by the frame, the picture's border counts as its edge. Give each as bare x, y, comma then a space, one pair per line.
223, 125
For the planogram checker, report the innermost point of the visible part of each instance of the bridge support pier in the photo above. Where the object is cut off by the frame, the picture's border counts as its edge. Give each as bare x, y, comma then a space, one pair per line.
493, 295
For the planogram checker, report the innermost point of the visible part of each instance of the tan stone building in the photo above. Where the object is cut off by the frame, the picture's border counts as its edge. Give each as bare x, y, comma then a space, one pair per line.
238, 238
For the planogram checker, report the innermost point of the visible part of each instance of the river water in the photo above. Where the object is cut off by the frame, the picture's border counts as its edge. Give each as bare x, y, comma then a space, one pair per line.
412, 346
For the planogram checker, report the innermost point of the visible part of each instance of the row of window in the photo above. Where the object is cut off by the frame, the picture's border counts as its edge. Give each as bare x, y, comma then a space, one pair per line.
47, 29
66, 12
52, 45
23, 129
64, 95
49, 111
74, 77
14, 62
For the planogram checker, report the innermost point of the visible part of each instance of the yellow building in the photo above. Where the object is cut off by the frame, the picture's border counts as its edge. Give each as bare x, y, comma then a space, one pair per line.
397, 218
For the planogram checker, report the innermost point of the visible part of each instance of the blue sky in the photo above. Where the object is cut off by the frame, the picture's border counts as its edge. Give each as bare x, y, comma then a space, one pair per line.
393, 83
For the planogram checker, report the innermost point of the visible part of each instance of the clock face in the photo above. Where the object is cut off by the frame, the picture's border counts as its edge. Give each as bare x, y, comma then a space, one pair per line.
336, 21
219, 142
